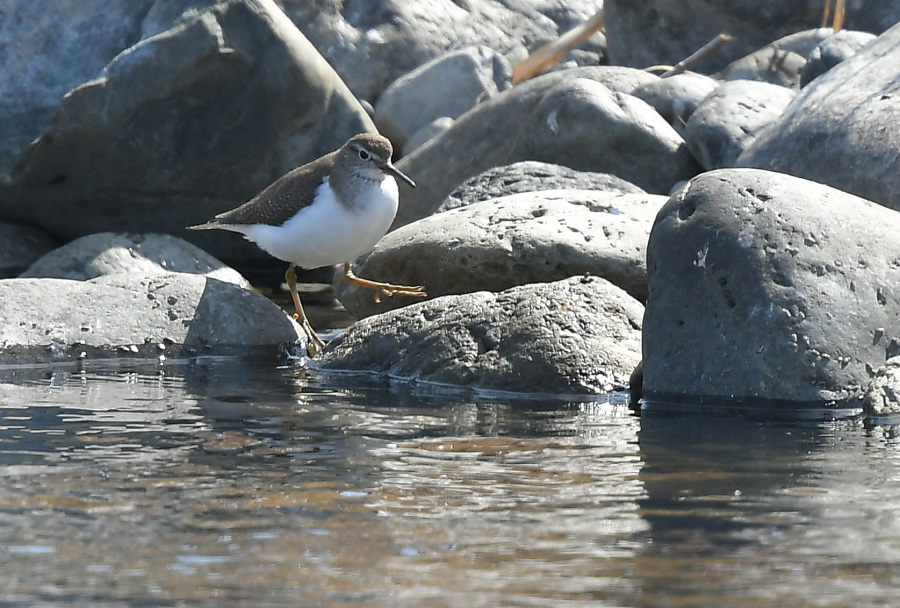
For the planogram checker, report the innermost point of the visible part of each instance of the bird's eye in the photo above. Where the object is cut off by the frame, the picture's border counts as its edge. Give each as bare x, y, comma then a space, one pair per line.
364, 154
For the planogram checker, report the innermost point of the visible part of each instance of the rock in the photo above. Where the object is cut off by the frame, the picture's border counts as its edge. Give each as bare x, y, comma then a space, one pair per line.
841, 129
427, 133
578, 336
565, 118
524, 238
447, 86
768, 287
108, 253
174, 315
46, 54
882, 398
676, 97
372, 44
653, 32
728, 121
182, 125
21, 246
832, 51
779, 62
532, 176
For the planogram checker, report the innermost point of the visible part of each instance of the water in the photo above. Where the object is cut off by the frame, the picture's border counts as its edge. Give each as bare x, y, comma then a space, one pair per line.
237, 483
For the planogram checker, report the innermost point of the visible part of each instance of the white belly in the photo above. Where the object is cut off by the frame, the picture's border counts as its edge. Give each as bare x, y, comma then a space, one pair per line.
328, 232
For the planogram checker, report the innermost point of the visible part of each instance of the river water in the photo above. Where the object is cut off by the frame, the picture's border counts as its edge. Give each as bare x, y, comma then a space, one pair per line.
258, 483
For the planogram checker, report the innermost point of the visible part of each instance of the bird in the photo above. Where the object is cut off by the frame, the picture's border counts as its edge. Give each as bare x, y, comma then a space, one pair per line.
329, 211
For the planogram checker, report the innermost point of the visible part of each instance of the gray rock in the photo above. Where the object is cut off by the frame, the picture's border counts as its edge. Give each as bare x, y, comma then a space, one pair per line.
524, 238
728, 121
21, 246
652, 32
841, 129
427, 133
676, 98
109, 253
565, 118
45, 54
580, 336
447, 86
532, 176
779, 62
882, 398
183, 125
372, 44
832, 51
174, 315
765, 286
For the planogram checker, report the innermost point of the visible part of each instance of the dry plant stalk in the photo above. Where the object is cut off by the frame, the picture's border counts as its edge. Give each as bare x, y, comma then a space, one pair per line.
705, 51
839, 10
551, 53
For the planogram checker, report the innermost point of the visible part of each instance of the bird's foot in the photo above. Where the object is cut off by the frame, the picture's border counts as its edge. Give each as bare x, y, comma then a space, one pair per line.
314, 344
389, 291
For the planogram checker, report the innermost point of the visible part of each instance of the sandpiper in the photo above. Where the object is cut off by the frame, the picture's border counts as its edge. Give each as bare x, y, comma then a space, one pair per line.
327, 212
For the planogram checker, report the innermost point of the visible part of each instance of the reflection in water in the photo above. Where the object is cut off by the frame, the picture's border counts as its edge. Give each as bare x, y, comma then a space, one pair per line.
230, 483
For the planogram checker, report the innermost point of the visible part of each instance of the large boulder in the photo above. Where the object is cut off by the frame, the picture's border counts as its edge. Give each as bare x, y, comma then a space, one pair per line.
577, 118
124, 315
532, 237
842, 129
578, 336
181, 125
769, 287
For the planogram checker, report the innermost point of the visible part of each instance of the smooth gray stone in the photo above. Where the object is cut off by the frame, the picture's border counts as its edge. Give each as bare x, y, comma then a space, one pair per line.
831, 51
676, 97
767, 286
728, 121
447, 86
109, 253
174, 315
577, 336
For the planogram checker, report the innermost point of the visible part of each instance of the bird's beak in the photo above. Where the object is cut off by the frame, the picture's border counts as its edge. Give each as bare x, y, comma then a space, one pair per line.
390, 168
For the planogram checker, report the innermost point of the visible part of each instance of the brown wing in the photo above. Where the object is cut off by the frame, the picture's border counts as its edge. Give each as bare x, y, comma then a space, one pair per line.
281, 200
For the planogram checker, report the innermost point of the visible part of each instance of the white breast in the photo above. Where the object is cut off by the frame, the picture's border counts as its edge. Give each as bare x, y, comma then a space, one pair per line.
328, 232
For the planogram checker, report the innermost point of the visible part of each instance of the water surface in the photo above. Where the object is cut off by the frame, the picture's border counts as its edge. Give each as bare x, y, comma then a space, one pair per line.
238, 483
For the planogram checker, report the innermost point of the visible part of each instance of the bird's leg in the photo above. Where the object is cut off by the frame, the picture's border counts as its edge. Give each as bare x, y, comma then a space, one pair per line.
385, 289
314, 344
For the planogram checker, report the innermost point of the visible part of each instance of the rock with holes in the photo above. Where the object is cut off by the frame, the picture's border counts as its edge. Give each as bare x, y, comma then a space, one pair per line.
531, 176
523, 238
133, 316
767, 286
730, 118
580, 335
882, 398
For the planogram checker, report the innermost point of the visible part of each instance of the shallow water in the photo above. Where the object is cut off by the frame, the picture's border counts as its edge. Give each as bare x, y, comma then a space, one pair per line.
234, 483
